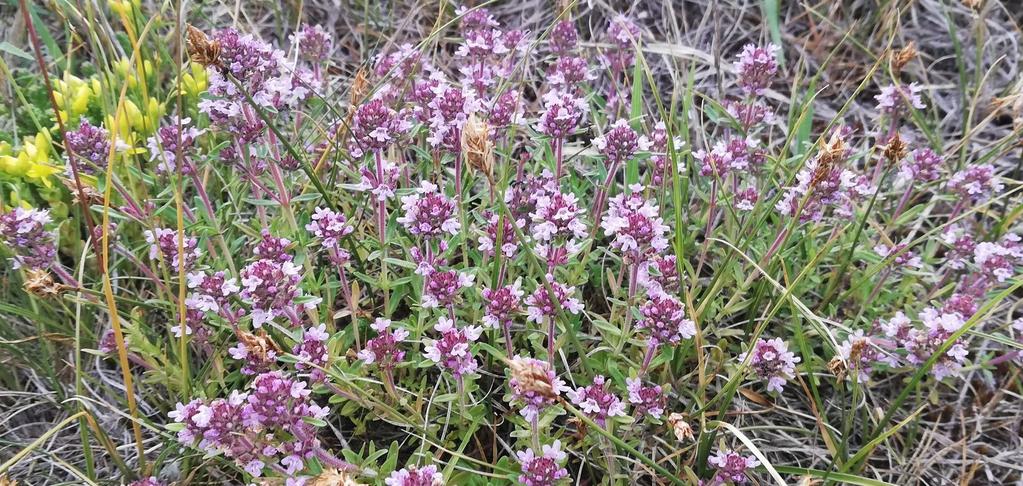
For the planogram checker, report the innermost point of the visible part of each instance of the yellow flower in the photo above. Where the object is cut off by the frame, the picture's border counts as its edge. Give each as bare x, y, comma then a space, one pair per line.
195, 82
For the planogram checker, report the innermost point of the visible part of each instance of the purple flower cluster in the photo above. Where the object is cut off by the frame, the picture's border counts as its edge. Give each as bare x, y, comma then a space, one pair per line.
756, 67
501, 304
330, 227
452, 351
24, 232
635, 225
416, 476
384, 350
91, 144
544, 469
441, 288
620, 143
597, 401
771, 360
664, 318
374, 127
174, 144
312, 352
540, 304
920, 344
646, 400
894, 100
494, 231
428, 213
976, 182
266, 427
163, 243
271, 287
731, 467
313, 42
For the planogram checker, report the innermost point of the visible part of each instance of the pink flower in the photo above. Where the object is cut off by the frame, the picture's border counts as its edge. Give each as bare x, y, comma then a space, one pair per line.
664, 318
659, 276
501, 304
922, 165
312, 352
452, 351
544, 469
314, 43
746, 199
562, 114
540, 304
163, 242
976, 182
374, 127
24, 232
620, 142
428, 213
558, 215
647, 400
271, 288
731, 466
771, 360
597, 401
379, 179
416, 476
384, 350
442, 288
896, 99
757, 66
902, 258
494, 231
635, 225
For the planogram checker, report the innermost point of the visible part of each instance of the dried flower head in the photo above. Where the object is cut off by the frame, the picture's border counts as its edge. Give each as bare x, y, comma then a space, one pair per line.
38, 282
477, 147
682, 430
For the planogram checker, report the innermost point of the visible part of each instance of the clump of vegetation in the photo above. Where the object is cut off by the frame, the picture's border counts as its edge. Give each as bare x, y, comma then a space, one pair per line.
498, 255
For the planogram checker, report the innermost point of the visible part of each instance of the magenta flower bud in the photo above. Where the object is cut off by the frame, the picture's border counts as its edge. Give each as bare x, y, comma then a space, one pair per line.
564, 38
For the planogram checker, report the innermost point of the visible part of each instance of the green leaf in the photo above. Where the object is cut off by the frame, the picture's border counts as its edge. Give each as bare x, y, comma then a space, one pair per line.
770, 11
14, 51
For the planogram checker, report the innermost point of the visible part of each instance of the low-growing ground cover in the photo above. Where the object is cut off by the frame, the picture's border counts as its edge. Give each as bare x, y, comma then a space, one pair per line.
445, 244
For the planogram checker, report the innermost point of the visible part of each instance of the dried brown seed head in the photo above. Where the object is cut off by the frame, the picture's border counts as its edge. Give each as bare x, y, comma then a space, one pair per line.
895, 150
683, 431
333, 477
201, 49
40, 283
903, 56
360, 88
532, 376
91, 195
477, 147
837, 367
259, 344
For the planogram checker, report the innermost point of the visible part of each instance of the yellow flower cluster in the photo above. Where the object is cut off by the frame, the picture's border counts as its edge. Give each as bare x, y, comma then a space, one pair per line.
74, 95
31, 161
